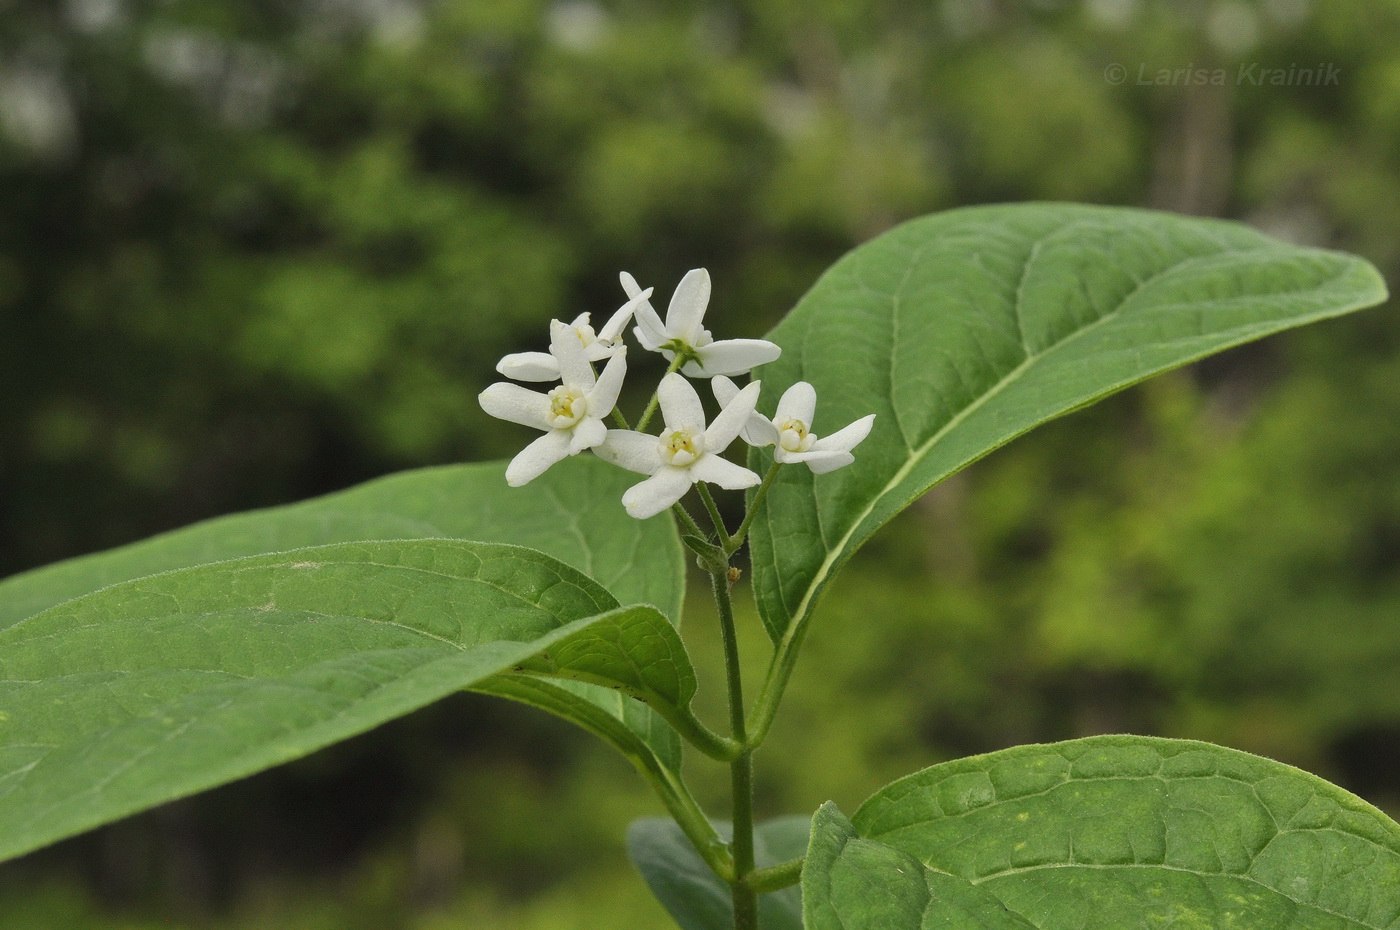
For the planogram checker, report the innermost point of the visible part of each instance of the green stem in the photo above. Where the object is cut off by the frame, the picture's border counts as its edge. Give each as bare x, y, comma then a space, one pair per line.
715, 518
669, 785
745, 897
681, 717
647, 414
741, 768
686, 811
776, 877
619, 419
702, 737
737, 540
687, 521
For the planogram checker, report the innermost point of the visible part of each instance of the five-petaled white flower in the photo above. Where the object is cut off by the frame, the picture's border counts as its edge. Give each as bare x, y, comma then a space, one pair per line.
571, 415
686, 451
683, 333
597, 346
790, 430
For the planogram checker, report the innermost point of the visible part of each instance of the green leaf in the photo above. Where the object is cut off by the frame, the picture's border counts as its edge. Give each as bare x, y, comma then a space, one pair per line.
170, 684
1123, 831
572, 512
962, 330
693, 895
850, 883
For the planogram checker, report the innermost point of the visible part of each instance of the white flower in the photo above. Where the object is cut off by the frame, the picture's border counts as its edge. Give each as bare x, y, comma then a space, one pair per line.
790, 430
685, 452
571, 415
600, 345
683, 333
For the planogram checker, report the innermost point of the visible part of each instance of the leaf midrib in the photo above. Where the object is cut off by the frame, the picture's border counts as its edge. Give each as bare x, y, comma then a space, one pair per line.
456, 578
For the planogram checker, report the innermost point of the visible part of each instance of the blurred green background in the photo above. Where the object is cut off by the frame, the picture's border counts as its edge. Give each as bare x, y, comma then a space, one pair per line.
256, 250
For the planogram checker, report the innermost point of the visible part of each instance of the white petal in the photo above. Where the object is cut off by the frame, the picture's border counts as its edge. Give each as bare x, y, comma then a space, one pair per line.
512, 402
566, 348
532, 461
731, 357
725, 390
759, 432
586, 434
529, 366
651, 340
722, 472
580, 320
844, 440
649, 330
819, 462
656, 493
733, 418
603, 397
630, 449
798, 402
680, 405
629, 284
688, 303
600, 351
613, 327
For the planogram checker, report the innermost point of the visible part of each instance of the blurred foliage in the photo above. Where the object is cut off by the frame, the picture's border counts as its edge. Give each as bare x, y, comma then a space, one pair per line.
254, 250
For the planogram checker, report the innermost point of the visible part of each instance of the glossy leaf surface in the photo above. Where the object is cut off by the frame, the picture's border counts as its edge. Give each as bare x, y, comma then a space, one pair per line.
1121, 831
572, 512
962, 330
851, 883
163, 686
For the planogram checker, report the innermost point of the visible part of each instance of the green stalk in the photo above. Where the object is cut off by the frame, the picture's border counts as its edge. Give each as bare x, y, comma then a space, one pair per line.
742, 532
695, 825
776, 877
741, 769
687, 521
681, 717
647, 414
715, 518
669, 786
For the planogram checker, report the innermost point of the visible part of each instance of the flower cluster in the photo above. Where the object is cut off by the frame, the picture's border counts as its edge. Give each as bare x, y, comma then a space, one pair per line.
687, 450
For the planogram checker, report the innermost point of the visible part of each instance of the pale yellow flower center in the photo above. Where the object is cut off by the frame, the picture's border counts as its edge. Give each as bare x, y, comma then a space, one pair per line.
680, 447
793, 436
567, 405
585, 334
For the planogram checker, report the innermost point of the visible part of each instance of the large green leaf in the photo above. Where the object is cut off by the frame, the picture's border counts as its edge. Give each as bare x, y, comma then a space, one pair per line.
693, 895
1121, 831
166, 685
851, 883
962, 330
572, 512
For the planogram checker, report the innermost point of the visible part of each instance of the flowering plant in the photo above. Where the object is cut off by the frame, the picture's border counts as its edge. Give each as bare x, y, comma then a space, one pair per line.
167, 667
687, 452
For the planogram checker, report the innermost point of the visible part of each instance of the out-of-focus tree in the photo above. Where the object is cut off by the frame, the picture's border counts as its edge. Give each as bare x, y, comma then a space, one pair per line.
253, 250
